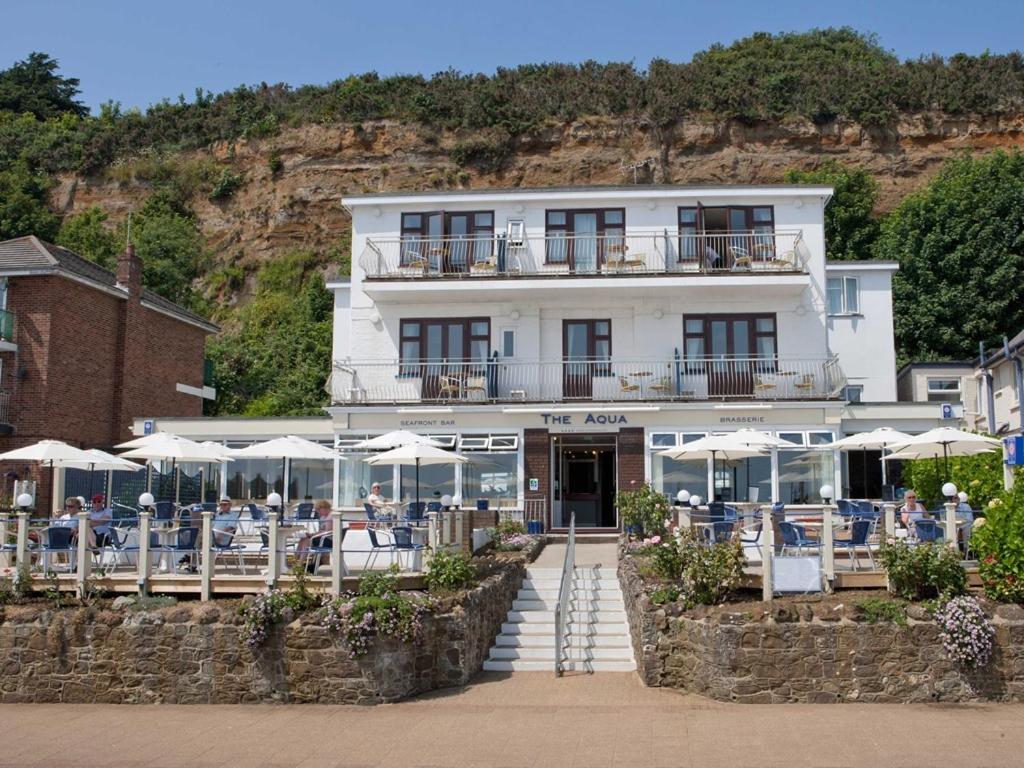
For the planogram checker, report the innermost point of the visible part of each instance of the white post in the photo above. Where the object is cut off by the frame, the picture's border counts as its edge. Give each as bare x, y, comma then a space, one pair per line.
83, 552
776, 490
432, 530
767, 553
890, 521
21, 547
273, 555
828, 555
5, 556
337, 563
459, 522
143, 580
951, 532
206, 556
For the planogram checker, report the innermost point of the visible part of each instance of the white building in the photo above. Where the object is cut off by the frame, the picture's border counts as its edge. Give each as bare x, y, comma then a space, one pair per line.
560, 338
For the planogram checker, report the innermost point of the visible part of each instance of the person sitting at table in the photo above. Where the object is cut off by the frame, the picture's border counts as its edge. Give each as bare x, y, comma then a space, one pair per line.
225, 521
322, 536
100, 517
67, 519
912, 510
376, 500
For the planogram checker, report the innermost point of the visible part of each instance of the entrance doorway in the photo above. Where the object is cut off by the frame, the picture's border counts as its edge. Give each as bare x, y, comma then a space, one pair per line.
584, 481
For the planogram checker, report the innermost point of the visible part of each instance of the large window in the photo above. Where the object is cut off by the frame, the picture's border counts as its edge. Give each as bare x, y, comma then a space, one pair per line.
944, 390
452, 339
729, 336
843, 296
253, 479
670, 476
491, 476
310, 479
723, 233
452, 241
582, 239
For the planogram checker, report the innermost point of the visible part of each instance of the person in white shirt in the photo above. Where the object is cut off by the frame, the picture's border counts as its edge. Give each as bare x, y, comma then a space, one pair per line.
912, 509
375, 499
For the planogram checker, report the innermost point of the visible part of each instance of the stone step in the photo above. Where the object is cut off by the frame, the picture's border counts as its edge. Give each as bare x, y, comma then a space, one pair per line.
578, 604
571, 652
555, 584
580, 573
575, 640
524, 665
580, 629
575, 615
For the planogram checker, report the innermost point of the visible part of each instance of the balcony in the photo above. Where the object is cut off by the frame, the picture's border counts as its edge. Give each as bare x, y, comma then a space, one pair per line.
6, 326
555, 381
634, 254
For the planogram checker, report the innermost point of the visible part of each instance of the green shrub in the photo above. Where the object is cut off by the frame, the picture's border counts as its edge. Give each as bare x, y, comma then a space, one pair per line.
508, 528
449, 571
667, 559
877, 609
981, 477
923, 571
644, 509
487, 154
226, 185
664, 595
999, 544
299, 597
275, 163
710, 574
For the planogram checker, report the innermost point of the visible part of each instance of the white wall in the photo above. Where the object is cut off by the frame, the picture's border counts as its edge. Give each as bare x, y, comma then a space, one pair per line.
864, 341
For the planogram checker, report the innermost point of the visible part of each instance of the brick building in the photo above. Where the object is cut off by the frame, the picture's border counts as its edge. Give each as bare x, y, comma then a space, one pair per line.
84, 350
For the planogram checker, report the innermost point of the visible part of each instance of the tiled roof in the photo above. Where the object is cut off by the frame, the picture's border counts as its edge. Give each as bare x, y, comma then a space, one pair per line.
30, 254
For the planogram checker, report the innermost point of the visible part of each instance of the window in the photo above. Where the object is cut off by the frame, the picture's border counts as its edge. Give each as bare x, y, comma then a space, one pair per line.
447, 241
582, 238
585, 341
944, 390
726, 231
663, 439
473, 443
853, 393
504, 442
448, 339
843, 296
728, 337
508, 343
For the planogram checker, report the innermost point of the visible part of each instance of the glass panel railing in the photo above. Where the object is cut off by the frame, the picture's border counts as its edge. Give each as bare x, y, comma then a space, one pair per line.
6, 325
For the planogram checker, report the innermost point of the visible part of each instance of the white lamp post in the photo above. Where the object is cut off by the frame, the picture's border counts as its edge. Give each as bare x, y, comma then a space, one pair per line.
950, 491
457, 500
146, 500
683, 496
827, 492
695, 501
274, 501
24, 501
446, 500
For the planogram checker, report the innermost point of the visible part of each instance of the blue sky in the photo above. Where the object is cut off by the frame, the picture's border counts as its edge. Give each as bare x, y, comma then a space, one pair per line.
138, 53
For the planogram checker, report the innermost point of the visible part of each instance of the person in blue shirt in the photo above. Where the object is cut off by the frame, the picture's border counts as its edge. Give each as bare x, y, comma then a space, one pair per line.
100, 517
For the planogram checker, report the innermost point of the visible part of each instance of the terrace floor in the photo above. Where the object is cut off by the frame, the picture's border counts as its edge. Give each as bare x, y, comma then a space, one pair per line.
519, 720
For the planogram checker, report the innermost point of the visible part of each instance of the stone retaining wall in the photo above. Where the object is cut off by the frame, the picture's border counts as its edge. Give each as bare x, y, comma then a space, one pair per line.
813, 652
193, 653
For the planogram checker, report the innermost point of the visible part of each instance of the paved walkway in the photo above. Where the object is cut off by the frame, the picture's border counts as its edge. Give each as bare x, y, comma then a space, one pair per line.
603, 553
529, 719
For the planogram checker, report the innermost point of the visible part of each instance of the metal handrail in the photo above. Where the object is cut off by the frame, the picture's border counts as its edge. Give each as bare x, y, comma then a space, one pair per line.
568, 566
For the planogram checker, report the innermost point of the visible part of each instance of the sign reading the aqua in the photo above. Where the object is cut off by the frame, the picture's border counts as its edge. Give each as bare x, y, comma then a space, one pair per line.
596, 419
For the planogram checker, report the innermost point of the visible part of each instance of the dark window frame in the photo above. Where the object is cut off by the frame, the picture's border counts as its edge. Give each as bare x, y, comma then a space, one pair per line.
411, 367
753, 334
421, 234
567, 228
593, 337
697, 226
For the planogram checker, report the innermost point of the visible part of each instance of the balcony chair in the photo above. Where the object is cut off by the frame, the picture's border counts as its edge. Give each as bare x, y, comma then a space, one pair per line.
57, 540
617, 258
805, 382
415, 510
711, 259
661, 386
859, 532
845, 507
321, 545
413, 262
449, 387
186, 545
787, 260
475, 384
627, 387
764, 385
163, 512
488, 266
740, 258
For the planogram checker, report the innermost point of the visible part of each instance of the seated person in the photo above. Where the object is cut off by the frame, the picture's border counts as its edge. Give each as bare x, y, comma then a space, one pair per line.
375, 499
322, 537
67, 519
100, 517
912, 509
225, 521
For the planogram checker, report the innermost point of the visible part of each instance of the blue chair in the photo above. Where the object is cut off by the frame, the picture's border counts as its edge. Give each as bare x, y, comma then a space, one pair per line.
163, 511
56, 540
794, 535
732, 514
434, 506
371, 511
304, 511
226, 545
482, 505
859, 531
928, 531
415, 510
722, 530
402, 540
186, 545
209, 506
846, 507
867, 510
378, 546
716, 511
321, 546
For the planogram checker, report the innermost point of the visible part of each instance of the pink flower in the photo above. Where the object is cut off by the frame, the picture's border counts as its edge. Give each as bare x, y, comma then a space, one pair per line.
656, 540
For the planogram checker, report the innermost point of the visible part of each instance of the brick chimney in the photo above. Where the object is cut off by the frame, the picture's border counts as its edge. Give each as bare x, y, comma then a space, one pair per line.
129, 272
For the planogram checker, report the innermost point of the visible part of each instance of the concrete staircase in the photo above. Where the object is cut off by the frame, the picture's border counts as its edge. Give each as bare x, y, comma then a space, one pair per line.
598, 638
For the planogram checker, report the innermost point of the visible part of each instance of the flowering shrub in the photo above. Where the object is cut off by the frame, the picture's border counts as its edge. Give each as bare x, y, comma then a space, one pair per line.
923, 571
965, 631
708, 573
644, 509
514, 543
448, 571
999, 543
379, 609
259, 616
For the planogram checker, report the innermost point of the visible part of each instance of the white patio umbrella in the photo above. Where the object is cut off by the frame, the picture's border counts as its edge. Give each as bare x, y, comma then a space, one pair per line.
142, 442
950, 442
876, 440
396, 439
287, 448
726, 446
167, 447
417, 455
104, 462
54, 452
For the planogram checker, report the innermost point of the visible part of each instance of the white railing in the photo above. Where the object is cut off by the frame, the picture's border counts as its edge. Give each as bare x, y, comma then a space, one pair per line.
615, 380
564, 588
533, 511
661, 252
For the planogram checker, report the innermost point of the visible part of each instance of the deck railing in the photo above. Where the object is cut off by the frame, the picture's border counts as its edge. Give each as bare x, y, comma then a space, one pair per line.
663, 252
588, 380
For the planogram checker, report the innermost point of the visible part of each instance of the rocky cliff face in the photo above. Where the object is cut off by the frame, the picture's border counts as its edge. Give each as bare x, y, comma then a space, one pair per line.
298, 204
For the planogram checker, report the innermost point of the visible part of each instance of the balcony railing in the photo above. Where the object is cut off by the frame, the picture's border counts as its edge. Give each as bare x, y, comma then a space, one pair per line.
6, 325
618, 380
5, 408
633, 253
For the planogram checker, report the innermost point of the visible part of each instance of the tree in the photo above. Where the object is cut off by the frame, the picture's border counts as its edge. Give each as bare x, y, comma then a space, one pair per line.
85, 234
850, 227
23, 204
34, 86
960, 245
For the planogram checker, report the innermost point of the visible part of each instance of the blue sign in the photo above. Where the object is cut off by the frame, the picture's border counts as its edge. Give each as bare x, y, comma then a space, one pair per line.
147, 427
947, 411
1014, 450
